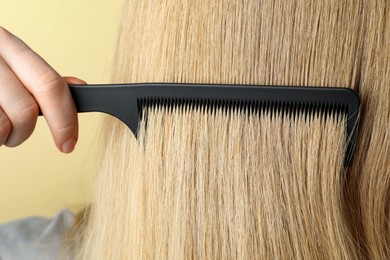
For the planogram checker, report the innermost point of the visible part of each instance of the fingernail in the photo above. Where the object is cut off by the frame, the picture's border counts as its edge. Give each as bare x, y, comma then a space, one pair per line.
68, 146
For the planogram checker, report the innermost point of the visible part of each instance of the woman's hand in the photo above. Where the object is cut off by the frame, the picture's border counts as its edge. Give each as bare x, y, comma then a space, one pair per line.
27, 84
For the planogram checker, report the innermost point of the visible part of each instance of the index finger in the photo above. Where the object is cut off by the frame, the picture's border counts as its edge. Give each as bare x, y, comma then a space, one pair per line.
47, 87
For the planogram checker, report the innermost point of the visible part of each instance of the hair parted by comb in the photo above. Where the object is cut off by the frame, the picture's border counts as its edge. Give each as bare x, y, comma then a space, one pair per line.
211, 183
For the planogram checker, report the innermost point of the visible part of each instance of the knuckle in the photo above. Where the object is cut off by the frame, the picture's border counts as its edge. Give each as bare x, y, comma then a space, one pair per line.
50, 83
3, 31
65, 129
27, 110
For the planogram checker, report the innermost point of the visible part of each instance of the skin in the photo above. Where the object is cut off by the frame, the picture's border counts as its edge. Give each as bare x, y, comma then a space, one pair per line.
28, 83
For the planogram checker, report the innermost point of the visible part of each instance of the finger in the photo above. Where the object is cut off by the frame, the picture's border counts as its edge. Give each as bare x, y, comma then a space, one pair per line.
5, 127
46, 86
18, 105
74, 80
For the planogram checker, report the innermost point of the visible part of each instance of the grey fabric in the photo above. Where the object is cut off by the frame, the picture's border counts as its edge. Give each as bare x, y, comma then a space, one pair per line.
36, 237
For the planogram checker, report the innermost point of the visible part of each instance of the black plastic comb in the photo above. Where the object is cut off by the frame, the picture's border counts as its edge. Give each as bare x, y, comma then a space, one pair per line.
125, 101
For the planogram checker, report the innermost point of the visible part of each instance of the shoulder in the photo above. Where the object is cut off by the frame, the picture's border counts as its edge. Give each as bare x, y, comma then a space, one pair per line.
35, 237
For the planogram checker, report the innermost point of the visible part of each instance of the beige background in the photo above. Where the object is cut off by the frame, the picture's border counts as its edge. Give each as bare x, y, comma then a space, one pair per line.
77, 37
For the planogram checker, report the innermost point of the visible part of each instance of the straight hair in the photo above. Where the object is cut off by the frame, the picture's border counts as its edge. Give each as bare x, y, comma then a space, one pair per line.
213, 183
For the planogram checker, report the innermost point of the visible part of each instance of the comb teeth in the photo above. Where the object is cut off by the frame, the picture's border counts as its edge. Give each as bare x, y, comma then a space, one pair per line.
252, 106
277, 100
126, 101
229, 103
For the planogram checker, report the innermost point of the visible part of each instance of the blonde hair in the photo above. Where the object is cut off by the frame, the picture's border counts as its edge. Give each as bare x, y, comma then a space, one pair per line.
219, 183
